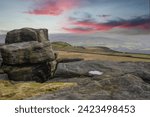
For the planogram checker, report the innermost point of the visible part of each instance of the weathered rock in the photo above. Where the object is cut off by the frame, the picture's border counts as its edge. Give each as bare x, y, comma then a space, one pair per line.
27, 53
3, 76
1, 60
26, 34
39, 72
80, 68
52, 66
68, 60
121, 80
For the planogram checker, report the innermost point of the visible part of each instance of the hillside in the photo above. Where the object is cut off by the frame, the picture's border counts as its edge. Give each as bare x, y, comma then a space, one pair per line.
65, 50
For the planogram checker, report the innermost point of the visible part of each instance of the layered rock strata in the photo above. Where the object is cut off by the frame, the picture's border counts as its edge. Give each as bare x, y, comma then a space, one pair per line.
28, 55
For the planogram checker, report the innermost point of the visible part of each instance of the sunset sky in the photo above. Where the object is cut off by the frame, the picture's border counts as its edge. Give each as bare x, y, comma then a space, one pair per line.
75, 16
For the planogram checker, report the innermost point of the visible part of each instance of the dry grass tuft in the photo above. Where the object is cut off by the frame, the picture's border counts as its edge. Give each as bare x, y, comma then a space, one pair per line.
21, 90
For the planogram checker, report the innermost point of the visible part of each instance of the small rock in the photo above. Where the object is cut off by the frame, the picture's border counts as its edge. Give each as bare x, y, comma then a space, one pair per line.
95, 73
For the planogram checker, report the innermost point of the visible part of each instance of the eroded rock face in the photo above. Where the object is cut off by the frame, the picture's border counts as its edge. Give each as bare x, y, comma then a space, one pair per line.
26, 34
27, 53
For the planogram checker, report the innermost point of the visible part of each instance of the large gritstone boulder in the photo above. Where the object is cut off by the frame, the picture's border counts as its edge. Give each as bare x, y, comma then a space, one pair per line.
27, 53
26, 34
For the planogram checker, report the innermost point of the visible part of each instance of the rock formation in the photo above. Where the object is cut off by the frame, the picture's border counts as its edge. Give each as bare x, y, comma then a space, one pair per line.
120, 80
28, 55
3, 76
26, 34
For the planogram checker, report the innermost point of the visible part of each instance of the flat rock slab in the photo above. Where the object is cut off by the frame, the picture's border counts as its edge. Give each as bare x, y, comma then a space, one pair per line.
26, 34
27, 52
79, 68
120, 81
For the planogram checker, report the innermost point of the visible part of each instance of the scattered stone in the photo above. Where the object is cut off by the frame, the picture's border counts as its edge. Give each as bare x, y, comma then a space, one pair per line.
26, 34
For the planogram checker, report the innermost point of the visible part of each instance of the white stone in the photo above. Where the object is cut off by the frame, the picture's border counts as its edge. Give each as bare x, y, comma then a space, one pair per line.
95, 73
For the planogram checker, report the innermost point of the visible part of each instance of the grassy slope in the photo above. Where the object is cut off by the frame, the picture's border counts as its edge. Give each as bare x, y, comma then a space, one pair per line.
65, 50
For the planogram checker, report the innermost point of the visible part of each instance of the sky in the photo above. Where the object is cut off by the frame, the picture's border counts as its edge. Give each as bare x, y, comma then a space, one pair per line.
75, 16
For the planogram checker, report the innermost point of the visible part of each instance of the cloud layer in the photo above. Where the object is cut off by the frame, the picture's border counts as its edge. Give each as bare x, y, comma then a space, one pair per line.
141, 22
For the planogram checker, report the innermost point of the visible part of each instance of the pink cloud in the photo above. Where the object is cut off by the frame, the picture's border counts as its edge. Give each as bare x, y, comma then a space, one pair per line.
145, 26
52, 7
94, 25
79, 30
135, 23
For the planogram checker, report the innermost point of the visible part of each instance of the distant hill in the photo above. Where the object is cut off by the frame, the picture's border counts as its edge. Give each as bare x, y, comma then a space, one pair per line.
60, 44
64, 46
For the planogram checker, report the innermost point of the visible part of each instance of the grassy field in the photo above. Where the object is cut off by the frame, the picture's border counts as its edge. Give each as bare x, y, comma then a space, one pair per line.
65, 50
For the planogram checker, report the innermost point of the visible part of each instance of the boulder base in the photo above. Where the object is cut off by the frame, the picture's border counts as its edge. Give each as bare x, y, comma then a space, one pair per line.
39, 72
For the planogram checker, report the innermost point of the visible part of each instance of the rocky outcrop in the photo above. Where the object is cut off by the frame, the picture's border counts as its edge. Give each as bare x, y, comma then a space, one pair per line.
120, 80
26, 34
28, 55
